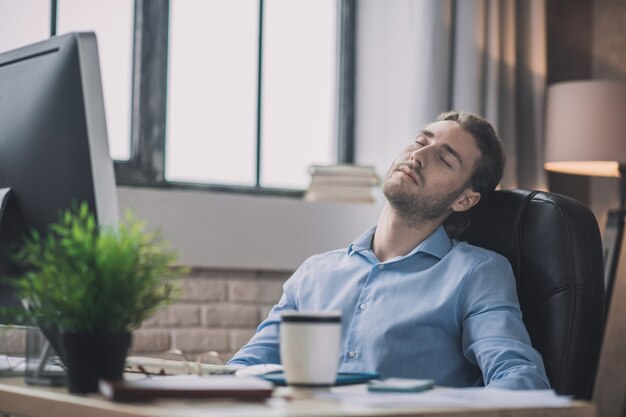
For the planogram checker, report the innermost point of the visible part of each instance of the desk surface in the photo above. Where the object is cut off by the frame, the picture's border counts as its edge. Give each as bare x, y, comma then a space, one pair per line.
26, 401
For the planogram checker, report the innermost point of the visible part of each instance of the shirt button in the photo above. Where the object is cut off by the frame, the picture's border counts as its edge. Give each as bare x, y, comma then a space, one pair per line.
363, 306
352, 354
381, 266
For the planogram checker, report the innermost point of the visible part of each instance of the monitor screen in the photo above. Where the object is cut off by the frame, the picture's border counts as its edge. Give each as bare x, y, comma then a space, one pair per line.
53, 141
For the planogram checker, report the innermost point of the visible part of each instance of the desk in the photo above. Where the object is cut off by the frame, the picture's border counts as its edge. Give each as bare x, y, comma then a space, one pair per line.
26, 401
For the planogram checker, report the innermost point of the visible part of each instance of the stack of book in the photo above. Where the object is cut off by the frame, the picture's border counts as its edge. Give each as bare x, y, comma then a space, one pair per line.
342, 184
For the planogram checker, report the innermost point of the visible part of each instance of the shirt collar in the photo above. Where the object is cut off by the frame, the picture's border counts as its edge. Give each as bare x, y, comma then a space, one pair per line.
363, 242
437, 244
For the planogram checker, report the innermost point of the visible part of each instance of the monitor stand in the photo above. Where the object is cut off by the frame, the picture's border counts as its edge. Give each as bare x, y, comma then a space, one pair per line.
40, 368
5, 194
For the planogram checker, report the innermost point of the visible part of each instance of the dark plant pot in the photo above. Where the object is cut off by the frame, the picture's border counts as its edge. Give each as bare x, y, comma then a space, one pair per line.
91, 356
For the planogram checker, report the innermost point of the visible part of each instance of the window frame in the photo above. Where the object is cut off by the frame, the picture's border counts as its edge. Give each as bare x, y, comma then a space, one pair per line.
146, 166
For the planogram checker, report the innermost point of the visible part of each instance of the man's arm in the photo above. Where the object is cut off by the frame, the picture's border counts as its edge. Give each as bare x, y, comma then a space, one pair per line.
494, 335
264, 345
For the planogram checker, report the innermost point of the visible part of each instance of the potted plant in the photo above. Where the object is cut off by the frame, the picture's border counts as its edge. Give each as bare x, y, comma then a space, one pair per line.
89, 286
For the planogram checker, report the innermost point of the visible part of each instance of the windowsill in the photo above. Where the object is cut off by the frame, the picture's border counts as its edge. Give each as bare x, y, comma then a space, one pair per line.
233, 230
238, 189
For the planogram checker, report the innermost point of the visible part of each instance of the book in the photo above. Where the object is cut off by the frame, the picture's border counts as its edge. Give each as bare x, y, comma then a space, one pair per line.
186, 386
332, 180
325, 196
343, 169
342, 184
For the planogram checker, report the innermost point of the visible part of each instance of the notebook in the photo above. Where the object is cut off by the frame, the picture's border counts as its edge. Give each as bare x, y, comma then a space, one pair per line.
343, 378
186, 386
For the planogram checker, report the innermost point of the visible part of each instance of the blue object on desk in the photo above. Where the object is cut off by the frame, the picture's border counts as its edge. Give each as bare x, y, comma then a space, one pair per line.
343, 378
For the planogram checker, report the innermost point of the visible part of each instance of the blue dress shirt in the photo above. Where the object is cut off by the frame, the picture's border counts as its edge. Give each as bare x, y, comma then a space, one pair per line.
447, 311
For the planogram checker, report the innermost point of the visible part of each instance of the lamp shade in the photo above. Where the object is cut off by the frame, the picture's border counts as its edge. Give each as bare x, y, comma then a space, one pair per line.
586, 128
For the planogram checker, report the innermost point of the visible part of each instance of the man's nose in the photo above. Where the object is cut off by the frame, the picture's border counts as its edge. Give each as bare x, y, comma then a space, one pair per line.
418, 158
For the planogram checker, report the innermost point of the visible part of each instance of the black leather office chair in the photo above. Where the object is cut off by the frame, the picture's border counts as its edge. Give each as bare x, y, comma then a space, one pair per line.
553, 244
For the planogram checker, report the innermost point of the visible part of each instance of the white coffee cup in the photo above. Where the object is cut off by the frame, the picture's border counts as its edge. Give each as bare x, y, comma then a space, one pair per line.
309, 347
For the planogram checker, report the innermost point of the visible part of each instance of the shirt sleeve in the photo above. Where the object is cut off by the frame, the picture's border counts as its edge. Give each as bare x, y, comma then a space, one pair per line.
264, 346
494, 336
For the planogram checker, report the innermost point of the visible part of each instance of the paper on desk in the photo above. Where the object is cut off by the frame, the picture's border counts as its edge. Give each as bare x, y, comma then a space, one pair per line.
177, 367
10, 365
450, 397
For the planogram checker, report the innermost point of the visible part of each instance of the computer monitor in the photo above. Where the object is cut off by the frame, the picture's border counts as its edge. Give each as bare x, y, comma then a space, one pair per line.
53, 141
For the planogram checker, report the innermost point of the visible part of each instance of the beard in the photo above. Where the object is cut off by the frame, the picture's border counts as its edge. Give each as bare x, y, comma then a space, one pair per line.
415, 209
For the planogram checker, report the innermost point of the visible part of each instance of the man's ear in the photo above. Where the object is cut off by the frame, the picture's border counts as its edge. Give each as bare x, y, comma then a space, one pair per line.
466, 200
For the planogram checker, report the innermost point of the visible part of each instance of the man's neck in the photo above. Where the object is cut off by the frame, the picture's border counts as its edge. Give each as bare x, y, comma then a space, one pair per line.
394, 237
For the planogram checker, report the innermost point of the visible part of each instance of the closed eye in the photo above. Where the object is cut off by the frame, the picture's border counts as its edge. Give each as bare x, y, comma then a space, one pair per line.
445, 162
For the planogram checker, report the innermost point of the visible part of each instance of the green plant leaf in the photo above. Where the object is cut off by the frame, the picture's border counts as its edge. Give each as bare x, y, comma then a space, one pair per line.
84, 278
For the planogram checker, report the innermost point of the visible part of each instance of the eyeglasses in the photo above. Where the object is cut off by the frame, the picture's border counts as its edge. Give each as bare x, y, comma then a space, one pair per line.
175, 362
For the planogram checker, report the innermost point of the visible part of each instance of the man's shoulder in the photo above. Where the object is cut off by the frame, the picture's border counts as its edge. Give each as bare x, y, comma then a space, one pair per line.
321, 263
331, 255
488, 276
479, 254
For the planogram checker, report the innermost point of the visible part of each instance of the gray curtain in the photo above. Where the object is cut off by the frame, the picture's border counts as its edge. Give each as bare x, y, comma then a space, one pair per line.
482, 56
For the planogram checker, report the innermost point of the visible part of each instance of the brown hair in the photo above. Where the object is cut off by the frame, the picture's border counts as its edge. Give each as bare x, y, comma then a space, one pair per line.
488, 170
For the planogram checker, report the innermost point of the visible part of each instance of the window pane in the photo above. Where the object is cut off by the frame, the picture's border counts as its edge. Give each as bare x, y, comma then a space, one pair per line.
212, 91
112, 21
23, 22
298, 107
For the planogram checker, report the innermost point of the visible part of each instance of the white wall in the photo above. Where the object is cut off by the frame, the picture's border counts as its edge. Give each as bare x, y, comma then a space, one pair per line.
401, 76
224, 230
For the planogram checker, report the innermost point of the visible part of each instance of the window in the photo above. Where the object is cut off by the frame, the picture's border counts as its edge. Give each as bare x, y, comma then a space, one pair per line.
112, 21
23, 22
27, 21
213, 130
298, 90
212, 91
228, 95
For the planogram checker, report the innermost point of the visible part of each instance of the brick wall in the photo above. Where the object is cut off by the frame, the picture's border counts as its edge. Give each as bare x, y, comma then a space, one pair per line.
219, 311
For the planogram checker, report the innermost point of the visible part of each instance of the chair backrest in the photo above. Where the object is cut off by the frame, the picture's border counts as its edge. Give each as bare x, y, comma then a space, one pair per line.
553, 244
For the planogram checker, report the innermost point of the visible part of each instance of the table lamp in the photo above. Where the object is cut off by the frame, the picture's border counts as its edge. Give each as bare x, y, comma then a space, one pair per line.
586, 135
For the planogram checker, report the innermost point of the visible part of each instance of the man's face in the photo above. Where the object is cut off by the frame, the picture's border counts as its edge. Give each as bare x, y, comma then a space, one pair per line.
429, 178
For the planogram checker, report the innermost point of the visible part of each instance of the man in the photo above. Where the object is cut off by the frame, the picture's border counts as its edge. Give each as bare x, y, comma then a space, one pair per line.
414, 303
